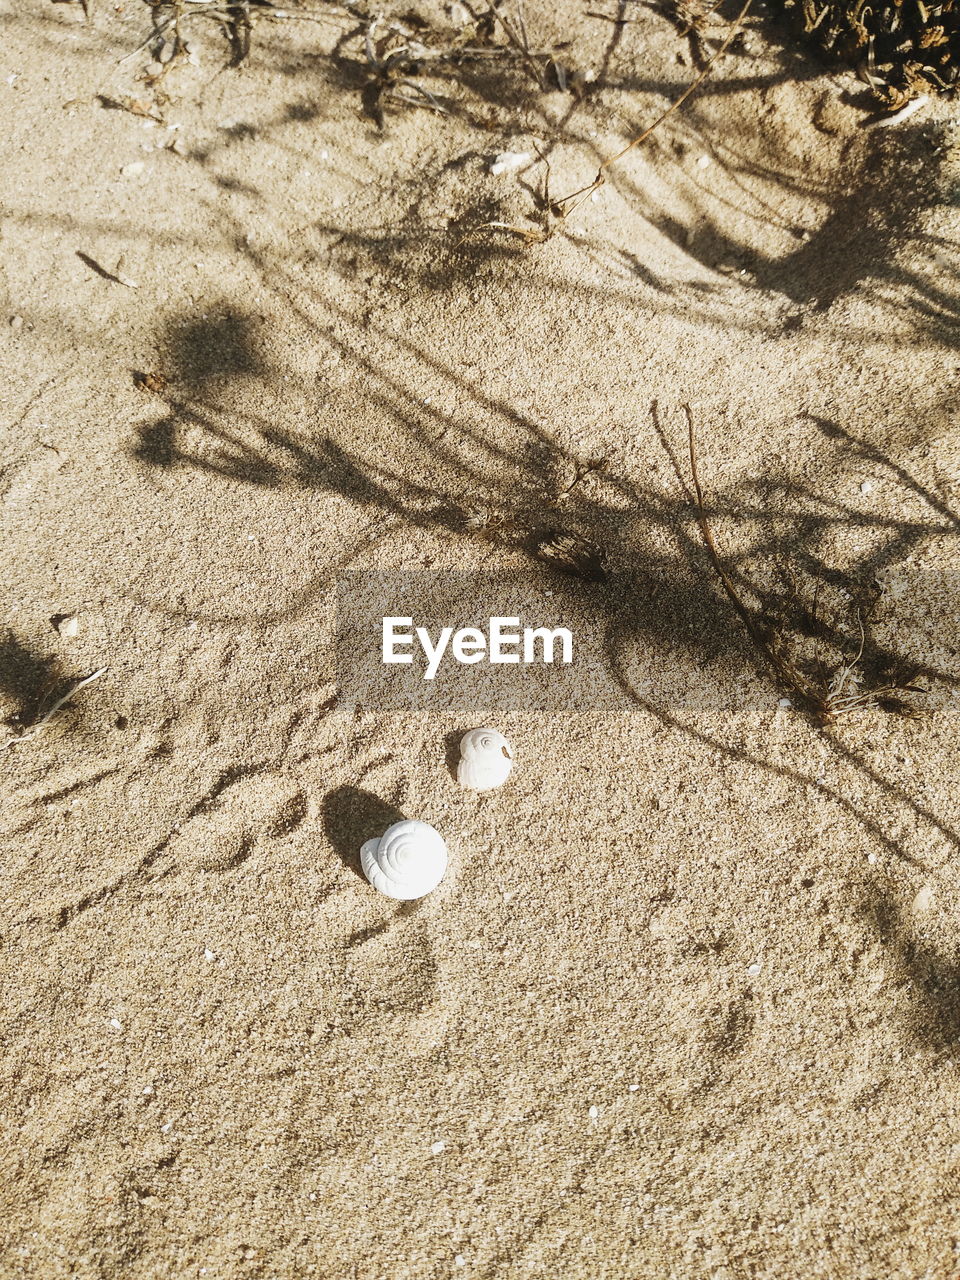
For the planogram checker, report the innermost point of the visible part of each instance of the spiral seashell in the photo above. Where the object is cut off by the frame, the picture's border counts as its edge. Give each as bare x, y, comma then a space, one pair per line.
407, 861
486, 759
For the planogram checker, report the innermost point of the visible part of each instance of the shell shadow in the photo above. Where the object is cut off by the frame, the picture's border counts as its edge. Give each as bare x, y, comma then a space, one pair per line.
451, 749
352, 815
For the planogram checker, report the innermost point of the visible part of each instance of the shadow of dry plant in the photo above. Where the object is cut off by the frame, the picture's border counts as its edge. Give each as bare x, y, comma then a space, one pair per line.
839, 672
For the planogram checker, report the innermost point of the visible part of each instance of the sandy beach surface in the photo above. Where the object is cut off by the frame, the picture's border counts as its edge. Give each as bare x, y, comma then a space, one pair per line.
687, 1003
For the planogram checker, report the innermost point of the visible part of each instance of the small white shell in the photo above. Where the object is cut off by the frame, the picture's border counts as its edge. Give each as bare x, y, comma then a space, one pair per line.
407, 861
486, 759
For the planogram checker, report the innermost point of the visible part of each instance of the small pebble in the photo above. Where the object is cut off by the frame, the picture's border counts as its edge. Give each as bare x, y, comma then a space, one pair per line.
460, 1260
784, 702
924, 899
753, 969
633, 1088
132, 170
69, 627
208, 955
703, 162
867, 486
438, 1148
116, 1024
16, 323
593, 1112
148, 1090
508, 160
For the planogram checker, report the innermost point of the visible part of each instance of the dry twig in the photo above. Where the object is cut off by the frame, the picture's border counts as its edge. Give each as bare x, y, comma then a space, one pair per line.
578, 197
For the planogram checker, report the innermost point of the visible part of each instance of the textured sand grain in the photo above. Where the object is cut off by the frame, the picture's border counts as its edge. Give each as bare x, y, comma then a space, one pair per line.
223, 1054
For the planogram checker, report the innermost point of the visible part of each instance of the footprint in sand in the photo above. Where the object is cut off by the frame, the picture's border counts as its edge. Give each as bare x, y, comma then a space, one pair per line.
224, 828
383, 969
391, 966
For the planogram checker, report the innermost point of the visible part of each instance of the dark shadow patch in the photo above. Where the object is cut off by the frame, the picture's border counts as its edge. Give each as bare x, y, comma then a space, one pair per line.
351, 816
451, 749
24, 674
223, 344
156, 443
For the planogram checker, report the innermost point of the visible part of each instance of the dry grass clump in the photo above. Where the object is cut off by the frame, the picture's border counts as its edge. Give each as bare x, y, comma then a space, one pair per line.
900, 48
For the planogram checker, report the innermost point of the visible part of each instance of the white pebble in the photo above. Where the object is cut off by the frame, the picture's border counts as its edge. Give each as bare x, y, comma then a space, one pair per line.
459, 1260
924, 899
507, 160
593, 1112
209, 955
116, 1024
753, 969
704, 162
69, 627
148, 1090
906, 112
133, 170
784, 702
438, 1148
633, 1088
867, 486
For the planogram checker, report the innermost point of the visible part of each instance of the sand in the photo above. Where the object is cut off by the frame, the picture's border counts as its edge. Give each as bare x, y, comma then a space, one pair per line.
687, 1003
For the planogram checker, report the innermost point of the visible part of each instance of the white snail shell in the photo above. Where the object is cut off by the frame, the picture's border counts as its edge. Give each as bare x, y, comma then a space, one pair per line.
407, 861
486, 759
